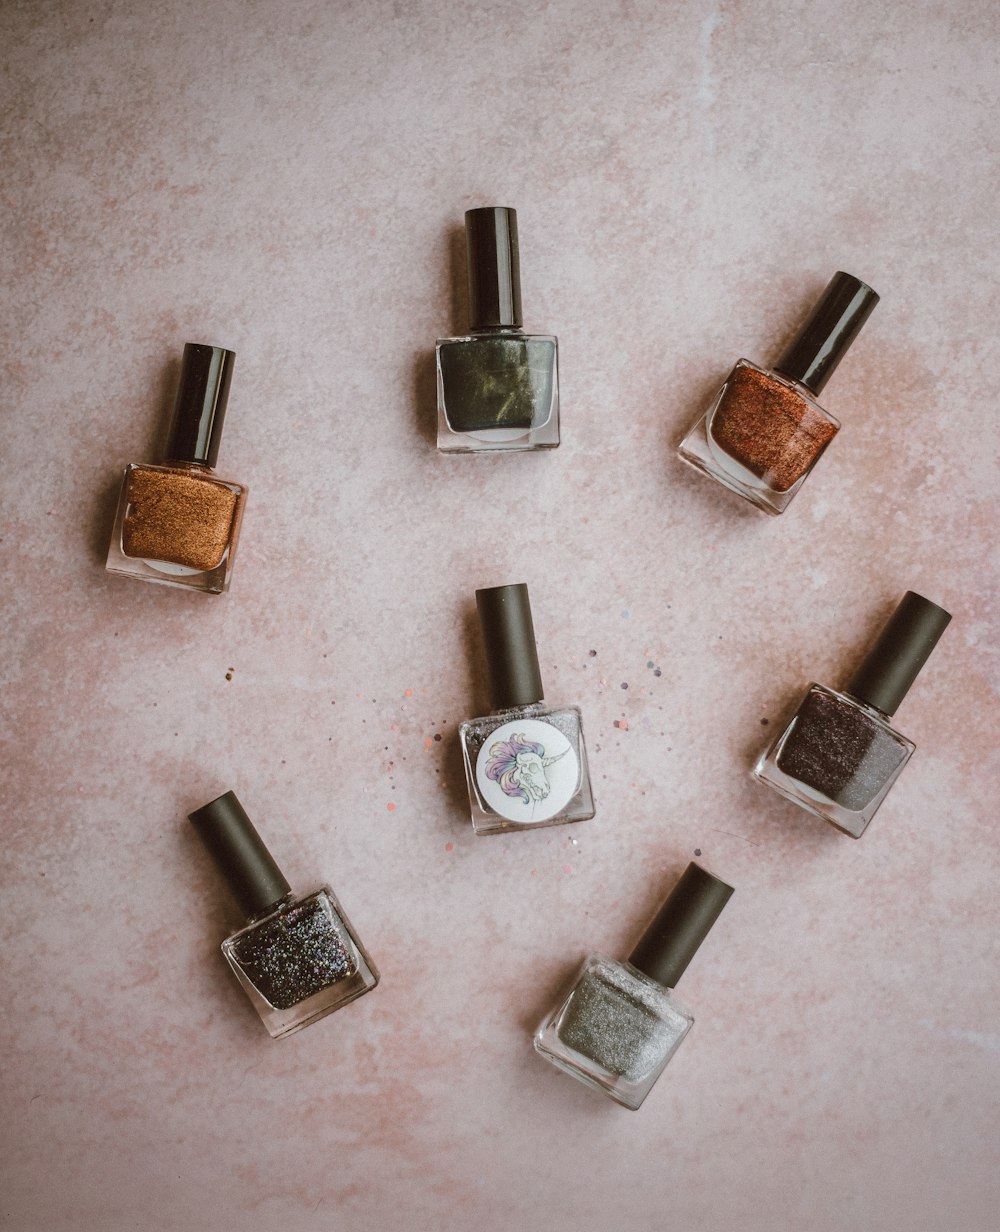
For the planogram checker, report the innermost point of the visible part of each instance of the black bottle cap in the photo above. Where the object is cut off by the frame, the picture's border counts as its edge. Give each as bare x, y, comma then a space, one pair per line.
494, 268
900, 651
239, 853
823, 341
680, 926
200, 407
509, 639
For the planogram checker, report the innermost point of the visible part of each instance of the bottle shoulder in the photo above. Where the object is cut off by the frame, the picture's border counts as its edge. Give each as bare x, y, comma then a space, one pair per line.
185, 471
494, 337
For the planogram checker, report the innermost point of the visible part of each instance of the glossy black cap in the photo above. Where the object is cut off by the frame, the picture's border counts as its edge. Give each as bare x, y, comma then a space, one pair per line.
239, 853
200, 407
680, 926
509, 639
823, 341
900, 651
494, 268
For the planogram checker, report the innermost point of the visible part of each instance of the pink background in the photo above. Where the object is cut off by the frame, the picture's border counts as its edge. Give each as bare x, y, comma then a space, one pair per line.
288, 180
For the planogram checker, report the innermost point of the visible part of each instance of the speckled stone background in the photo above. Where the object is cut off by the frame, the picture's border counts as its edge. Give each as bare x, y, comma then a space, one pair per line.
288, 180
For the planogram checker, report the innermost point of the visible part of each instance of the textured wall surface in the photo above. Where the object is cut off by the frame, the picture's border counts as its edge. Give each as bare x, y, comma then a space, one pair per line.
289, 180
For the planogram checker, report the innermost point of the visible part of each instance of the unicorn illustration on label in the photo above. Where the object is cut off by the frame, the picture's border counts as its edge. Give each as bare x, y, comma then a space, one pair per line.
518, 766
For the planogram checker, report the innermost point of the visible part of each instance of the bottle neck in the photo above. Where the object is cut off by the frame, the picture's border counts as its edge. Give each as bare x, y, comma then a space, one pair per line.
530, 708
285, 901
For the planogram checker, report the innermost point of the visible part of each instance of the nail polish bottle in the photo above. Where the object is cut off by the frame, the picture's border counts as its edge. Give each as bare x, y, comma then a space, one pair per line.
525, 763
765, 431
177, 523
297, 959
839, 755
498, 387
621, 1021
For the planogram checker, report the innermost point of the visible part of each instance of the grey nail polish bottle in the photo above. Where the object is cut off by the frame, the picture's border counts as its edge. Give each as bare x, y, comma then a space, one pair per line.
621, 1022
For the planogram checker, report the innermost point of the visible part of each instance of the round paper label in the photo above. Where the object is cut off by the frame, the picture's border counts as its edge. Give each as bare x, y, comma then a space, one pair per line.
527, 771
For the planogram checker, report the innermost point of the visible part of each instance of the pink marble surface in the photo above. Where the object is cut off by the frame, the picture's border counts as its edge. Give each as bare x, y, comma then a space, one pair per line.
288, 180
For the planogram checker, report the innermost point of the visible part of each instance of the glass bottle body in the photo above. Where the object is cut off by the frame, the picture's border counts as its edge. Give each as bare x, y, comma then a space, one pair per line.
761, 436
525, 768
177, 524
300, 961
498, 389
837, 757
615, 1031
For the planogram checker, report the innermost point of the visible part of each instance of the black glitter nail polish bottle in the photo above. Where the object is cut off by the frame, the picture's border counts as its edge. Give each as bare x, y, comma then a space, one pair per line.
839, 755
297, 958
498, 387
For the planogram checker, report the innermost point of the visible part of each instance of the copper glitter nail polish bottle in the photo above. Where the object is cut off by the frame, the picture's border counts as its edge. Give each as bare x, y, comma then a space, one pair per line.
498, 387
839, 755
297, 959
621, 1022
765, 430
525, 762
178, 523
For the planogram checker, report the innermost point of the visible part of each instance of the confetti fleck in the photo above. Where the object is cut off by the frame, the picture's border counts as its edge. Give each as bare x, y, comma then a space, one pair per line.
621, 724
391, 807
449, 846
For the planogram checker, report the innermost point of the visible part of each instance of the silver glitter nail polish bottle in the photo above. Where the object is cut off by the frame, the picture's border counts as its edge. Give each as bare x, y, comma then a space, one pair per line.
297, 959
525, 762
621, 1021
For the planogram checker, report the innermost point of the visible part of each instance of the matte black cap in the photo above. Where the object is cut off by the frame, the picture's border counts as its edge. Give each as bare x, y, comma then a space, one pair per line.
200, 407
900, 651
823, 341
239, 852
494, 267
509, 638
681, 925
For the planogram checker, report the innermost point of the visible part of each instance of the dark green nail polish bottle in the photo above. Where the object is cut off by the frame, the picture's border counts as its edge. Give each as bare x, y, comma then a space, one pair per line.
498, 387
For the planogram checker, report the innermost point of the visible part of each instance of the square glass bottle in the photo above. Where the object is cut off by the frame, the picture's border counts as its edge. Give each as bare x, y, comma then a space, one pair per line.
839, 755
525, 762
765, 431
498, 387
177, 523
621, 1022
297, 959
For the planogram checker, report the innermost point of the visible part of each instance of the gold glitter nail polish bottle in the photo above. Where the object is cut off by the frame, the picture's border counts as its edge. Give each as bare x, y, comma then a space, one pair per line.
177, 523
765, 431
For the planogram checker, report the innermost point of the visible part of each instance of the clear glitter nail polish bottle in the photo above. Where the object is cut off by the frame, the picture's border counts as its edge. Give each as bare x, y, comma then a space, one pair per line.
525, 762
765, 431
178, 523
498, 387
297, 959
839, 755
621, 1022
